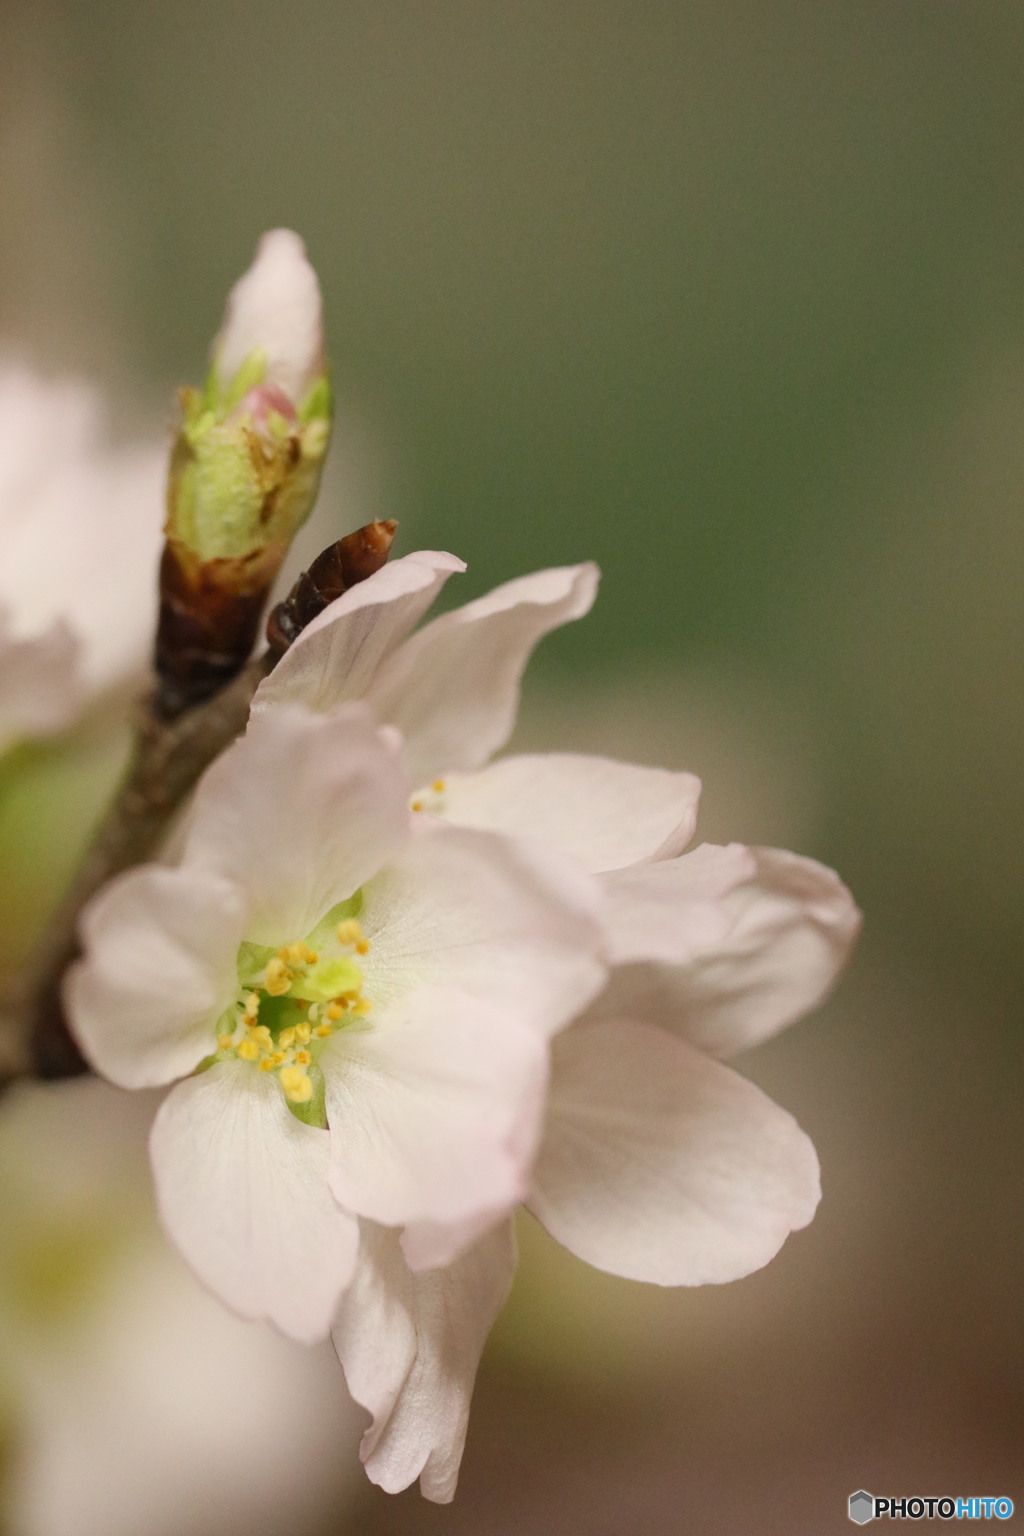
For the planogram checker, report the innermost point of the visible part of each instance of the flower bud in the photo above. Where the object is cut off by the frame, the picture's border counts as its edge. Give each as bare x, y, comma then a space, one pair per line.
244, 473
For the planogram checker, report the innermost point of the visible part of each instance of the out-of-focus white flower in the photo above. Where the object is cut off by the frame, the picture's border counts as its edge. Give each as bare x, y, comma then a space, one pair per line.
658, 1162
330, 958
133, 1400
79, 544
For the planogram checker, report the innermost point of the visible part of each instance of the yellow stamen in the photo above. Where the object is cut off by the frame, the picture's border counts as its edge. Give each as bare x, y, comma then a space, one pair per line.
362, 1007
363, 947
417, 805
248, 1049
225, 1042
350, 931
334, 1011
297, 1086
261, 1034
303, 1058
278, 977
303, 1032
323, 1030
266, 1065
438, 786
252, 1005
286, 1038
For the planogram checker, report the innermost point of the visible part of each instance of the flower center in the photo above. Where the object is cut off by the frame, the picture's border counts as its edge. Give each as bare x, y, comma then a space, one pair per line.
292, 1000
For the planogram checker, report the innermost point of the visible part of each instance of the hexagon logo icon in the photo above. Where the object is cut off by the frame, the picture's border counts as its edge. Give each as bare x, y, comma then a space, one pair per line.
862, 1507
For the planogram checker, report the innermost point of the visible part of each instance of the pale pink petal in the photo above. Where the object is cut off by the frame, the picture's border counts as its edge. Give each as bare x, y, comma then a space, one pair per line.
242, 1191
791, 926
453, 688
674, 909
159, 968
337, 656
499, 918
42, 689
602, 813
661, 1165
410, 1345
434, 1111
300, 812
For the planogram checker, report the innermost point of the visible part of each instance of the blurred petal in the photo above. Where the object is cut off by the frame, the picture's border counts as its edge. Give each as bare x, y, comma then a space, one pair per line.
453, 688
661, 1165
603, 813
427, 1110
487, 914
410, 1345
791, 926
300, 812
242, 1190
337, 656
42, 689
159, 970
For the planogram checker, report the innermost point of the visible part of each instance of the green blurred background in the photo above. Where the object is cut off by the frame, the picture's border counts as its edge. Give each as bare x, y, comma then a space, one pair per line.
727, 297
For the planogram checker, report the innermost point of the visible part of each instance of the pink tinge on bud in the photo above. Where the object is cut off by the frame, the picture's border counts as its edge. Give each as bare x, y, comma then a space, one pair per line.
259, 401
275, 308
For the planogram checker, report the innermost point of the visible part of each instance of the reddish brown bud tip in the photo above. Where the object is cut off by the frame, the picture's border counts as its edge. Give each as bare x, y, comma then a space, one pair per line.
336, 569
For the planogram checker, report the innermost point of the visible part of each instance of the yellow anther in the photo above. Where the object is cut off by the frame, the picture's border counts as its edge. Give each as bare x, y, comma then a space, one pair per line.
417, 805
297, 1086
302, 1033
263, 1037
362, 1007
363, 947
252, 1005
303, 1058
248, 1049
225, 1042
438, 786
286, 1038
350, 931
278, 977
277, 1058
266, 1065
323, 1030
334, 1010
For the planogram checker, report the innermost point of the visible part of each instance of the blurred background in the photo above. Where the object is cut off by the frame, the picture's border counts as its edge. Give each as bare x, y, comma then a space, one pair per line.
729, 298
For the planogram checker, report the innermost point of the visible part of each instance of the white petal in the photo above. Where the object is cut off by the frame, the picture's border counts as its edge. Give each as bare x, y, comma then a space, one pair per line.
661, 1165
242, 1191
453, 689
275, 307
159, 968
434, 1111
603, 813
502, 919
337, 656
674, 909
791, 925
42, 689
410, 1345
299, 813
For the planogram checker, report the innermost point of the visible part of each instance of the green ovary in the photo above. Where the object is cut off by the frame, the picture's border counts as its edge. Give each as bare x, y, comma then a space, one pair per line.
291, 1000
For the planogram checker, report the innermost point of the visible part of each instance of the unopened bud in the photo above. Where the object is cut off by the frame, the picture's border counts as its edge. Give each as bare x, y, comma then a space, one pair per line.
245, 469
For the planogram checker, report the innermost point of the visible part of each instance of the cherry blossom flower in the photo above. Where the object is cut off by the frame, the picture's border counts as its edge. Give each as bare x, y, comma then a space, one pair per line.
327, 958
80, 532
658, 1162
